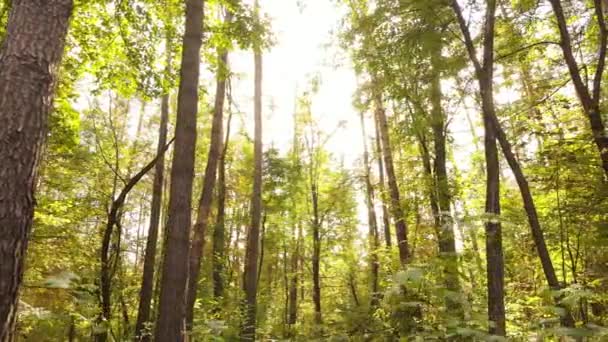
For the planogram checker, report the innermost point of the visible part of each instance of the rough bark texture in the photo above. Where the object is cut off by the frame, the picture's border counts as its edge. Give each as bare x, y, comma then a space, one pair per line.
147, 281
395, 204
170, 324
590, 99
204, 204
252, 253
385, 215
371, 221
494, 252
30, 56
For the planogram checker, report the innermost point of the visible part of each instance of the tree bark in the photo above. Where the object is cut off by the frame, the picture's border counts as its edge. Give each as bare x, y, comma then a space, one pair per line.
385, 215
316, 252
204, 205
590, 99
494, 252
251, 261
147, 281
107, 264
447, 243
30, 56
220, 227
395, 204
170, 324
371, 221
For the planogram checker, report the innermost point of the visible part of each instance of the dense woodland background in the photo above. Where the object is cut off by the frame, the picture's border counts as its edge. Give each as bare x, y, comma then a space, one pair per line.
477, 210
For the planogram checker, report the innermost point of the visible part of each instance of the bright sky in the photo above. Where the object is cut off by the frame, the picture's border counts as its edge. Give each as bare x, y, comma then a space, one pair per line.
303, 49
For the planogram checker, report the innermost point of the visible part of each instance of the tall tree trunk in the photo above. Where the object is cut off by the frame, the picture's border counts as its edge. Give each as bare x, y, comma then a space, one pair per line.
204, 205
29, 61
220, 227
494, 252
316, 252
147, 280
170, 324
385, 218
109, 264
590, 99
293, 286
395, 204
447, 243
251, 261
371, 220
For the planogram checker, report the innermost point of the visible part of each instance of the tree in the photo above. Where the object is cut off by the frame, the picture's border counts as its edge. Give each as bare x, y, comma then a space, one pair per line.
204, 206
30, 56
387, 155
147, 282
250, 276
494, 251
374, 244
589, 97
171, 311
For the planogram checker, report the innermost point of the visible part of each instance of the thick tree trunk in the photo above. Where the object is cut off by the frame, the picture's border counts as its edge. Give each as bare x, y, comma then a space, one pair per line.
395, 204
29, 60
170, 324
251, 262
204, 205
590, 100
147, 281
494, 252
371, 221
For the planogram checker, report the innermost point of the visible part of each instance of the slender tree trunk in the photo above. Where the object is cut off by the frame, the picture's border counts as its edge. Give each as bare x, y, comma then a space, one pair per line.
316, 253
147, 281
371, 220
590, 99
251, 261
395, 204
447, 243
293, 286
170, 323
204, 205
385, 215
30, 56
109, 264
219, 240
494, 252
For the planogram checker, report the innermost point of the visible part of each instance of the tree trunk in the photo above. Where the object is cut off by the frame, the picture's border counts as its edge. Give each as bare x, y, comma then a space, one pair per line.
385, 214
590, 100
447, 243
204, 205
251, 261
220, 227
494, 252
293, 287
108, 265
147, 281
170, 324
371, 221
29, 60
395, 204
316, 253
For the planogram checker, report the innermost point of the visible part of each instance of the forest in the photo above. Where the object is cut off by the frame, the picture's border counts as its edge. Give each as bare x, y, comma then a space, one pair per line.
303, 170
